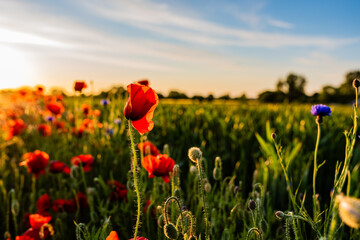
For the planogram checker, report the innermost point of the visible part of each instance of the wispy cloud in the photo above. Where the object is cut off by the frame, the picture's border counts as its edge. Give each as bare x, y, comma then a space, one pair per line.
161, 19
279, 23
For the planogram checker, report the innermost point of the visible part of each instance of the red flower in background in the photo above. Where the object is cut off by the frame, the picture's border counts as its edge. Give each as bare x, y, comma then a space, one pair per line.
85, 160
140, 107
15, 127
63, 205
85, 108
119, 191
55, 107
44, 204
159, 166
58, 167
83, 201
148, 148
36, 162
79, 86
44, 130
36, 222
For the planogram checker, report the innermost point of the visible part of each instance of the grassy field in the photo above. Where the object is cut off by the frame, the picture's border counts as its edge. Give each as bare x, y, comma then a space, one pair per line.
272, 173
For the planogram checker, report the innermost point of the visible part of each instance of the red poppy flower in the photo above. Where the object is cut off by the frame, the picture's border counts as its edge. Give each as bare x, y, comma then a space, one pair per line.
36, 222
44, 204
148, 148
159, 166
79, 86
140, 107
139, 238
144, 82
78, 132
16, 127
61, 205
83, 201
86, 161
58, 167
119, 191
36, 162
55, 108
23, 238
112, 236
85, 108
44, 129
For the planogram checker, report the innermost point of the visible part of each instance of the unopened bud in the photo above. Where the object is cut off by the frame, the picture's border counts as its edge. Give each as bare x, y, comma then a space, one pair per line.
195, 154
207, 186
217, 173
356, 83
279, 214
273, 135
170, 231
349, 210
252, 205
193, 170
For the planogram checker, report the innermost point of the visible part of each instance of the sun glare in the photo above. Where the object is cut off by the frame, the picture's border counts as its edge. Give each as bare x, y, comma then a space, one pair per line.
15, 69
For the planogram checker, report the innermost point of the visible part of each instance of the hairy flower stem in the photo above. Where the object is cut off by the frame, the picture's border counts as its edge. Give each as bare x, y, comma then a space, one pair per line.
136, 182
203, 196
315, 210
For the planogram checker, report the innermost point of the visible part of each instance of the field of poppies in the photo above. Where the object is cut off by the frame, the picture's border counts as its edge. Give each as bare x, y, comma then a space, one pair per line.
136, 167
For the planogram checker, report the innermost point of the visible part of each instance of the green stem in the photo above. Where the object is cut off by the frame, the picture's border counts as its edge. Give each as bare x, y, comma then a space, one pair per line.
33, 200
315, 210
203, 196
179, 206
136, 183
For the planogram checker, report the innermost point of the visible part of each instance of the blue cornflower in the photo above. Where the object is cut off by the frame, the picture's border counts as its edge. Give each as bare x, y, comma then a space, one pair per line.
110, 131
50, 118
117, 121
320, 110
105, 102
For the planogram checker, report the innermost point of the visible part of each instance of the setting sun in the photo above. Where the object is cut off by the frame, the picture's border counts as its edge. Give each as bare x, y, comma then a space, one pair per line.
15, 69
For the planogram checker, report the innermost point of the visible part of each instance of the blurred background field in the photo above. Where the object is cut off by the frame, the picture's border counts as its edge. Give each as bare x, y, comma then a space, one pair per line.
238, 132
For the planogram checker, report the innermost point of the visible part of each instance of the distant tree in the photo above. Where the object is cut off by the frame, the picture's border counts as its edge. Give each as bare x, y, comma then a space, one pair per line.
198, 97
225, 97
272, 97
242, 98
177, 95
328, 94
161, 96
293, 86
210, 97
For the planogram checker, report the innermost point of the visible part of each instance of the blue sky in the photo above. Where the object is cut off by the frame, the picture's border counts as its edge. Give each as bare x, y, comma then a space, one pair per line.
198, 47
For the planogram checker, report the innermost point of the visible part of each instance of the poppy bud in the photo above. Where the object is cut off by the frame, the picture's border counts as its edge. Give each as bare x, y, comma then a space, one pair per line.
273, 135
166, 149
217, 174
349, 210
356, 83
279, 214
15, 207
170, 231
194, 154
193, 169
207, 186
252, 205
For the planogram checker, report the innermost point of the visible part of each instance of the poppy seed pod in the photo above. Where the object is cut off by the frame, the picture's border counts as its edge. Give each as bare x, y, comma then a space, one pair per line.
349, 210
170, 231
194, 154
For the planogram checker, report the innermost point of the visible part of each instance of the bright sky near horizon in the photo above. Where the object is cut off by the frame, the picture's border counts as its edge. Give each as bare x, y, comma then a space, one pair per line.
198, 47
